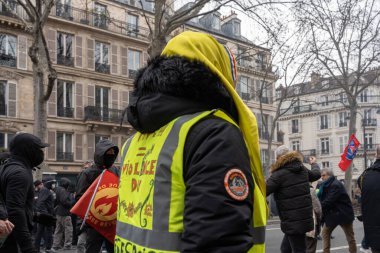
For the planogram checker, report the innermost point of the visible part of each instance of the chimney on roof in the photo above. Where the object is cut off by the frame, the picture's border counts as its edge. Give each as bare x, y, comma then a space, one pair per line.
315, 79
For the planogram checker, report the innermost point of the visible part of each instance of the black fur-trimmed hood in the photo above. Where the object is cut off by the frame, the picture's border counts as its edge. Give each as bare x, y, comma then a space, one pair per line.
169, 87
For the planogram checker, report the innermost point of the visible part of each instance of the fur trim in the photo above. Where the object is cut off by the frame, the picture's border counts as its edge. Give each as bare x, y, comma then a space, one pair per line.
287, 158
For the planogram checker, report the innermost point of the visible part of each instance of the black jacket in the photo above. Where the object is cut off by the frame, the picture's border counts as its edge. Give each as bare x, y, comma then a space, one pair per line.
64, 199
369, 184
171, 87
16, 181
3, 210
290, 184
45, 201
336, 204
88, 176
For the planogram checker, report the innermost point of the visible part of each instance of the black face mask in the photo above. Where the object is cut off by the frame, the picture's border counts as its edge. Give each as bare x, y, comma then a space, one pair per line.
38, 158
108, 160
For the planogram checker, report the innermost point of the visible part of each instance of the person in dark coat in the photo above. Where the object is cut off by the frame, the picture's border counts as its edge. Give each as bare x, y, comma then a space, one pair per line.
370, 189
105, 155
289, 182
64, 227
45, 214
336, 210
16, 185
6, 226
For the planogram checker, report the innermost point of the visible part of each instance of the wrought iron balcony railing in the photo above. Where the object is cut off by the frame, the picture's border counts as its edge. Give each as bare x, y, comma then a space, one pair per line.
65, 156
102, 68
8, 60
67, 112
65, 60
94, 113
369, 122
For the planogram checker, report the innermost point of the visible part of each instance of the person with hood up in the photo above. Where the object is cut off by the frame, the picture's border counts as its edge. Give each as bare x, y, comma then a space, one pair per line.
191, 177
336, 210
290, 183
64, 228
105, 155
17, 189
45, 217
370, 189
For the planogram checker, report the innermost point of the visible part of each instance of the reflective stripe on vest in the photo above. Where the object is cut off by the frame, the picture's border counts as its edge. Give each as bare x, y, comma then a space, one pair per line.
143, 188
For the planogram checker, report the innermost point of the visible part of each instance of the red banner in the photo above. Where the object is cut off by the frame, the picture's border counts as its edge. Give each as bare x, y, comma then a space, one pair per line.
102, 214
349, 153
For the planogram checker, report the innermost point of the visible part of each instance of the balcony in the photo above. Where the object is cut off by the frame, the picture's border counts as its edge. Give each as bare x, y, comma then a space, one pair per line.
67, 112
325, 151
65, 60
94, 113
64, 11
297, 109
102, 68
8, 60
369, 122
343, 123
295, 130
132, 73
309, 152
65, 156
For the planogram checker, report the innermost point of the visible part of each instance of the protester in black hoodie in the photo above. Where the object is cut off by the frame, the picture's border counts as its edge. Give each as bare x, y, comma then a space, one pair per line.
64, 227
104, 157
16, 183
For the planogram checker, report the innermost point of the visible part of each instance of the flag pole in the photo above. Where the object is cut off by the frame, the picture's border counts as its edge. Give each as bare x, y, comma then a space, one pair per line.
92, 200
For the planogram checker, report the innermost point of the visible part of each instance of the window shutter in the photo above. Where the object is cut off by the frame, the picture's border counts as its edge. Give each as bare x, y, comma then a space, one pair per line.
79, 100
78, 147
51, 148
78, 51
90, 54
318, 147
299, 125
145, 58
52, 44
22, 52
115, 99
90, 146
331, 143
91, 95
115, 140
114, 66
12, 98
124, 61
52, 103
124, 99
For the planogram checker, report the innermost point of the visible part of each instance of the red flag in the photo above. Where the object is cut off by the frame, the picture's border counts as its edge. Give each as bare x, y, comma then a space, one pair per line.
349, 153
102, 213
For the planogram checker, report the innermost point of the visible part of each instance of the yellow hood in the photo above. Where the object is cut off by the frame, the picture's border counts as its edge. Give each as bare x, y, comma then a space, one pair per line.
204, 48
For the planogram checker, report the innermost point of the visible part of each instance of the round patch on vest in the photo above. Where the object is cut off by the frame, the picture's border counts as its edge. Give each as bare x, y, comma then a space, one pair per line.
236, 184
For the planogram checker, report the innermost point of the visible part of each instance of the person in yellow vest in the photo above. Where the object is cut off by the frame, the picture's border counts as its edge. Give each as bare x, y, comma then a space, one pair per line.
191, 177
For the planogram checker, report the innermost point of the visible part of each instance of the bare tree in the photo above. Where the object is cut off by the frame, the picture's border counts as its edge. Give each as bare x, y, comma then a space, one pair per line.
34, 15
345, 41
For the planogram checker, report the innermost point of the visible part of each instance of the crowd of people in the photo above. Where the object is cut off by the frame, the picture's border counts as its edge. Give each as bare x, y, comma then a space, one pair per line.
190, 178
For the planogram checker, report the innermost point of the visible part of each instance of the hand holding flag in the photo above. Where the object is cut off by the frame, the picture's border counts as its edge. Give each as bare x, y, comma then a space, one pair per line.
349, 153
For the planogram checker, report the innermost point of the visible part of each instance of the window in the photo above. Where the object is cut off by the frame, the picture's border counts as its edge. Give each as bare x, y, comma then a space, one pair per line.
236, 28
295, 126
8, 50
64, 147
296, 145
3, 98
324, 100
369, 141
215, 22
325, 165
101, 57
325, 146
343, 98
324, 122
134, 58
65, 106
101, 137
364, 96
5, 139
102, 103
259, 61
100, 16
243, 88
6, 5
63, 9
263, 134
343, 141
65, 49
343, 119
132, 25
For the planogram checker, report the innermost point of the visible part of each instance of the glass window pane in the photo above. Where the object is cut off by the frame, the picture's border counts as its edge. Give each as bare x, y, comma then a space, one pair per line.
60, 44
69, 42
105, 97
2, 140
105, 54
69, 95
60, 99
12, 46
69, 141
60, 142
10, 137
97, 52
3, 98
97, 96
3, 41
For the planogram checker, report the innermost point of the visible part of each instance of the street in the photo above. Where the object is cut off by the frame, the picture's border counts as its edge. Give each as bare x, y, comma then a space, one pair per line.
338, 244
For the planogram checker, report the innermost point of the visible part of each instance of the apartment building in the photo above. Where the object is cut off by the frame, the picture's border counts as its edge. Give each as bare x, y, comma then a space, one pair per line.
96, 48
317, 123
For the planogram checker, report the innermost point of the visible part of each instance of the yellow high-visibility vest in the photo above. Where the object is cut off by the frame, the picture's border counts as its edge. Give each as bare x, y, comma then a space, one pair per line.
152, 190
